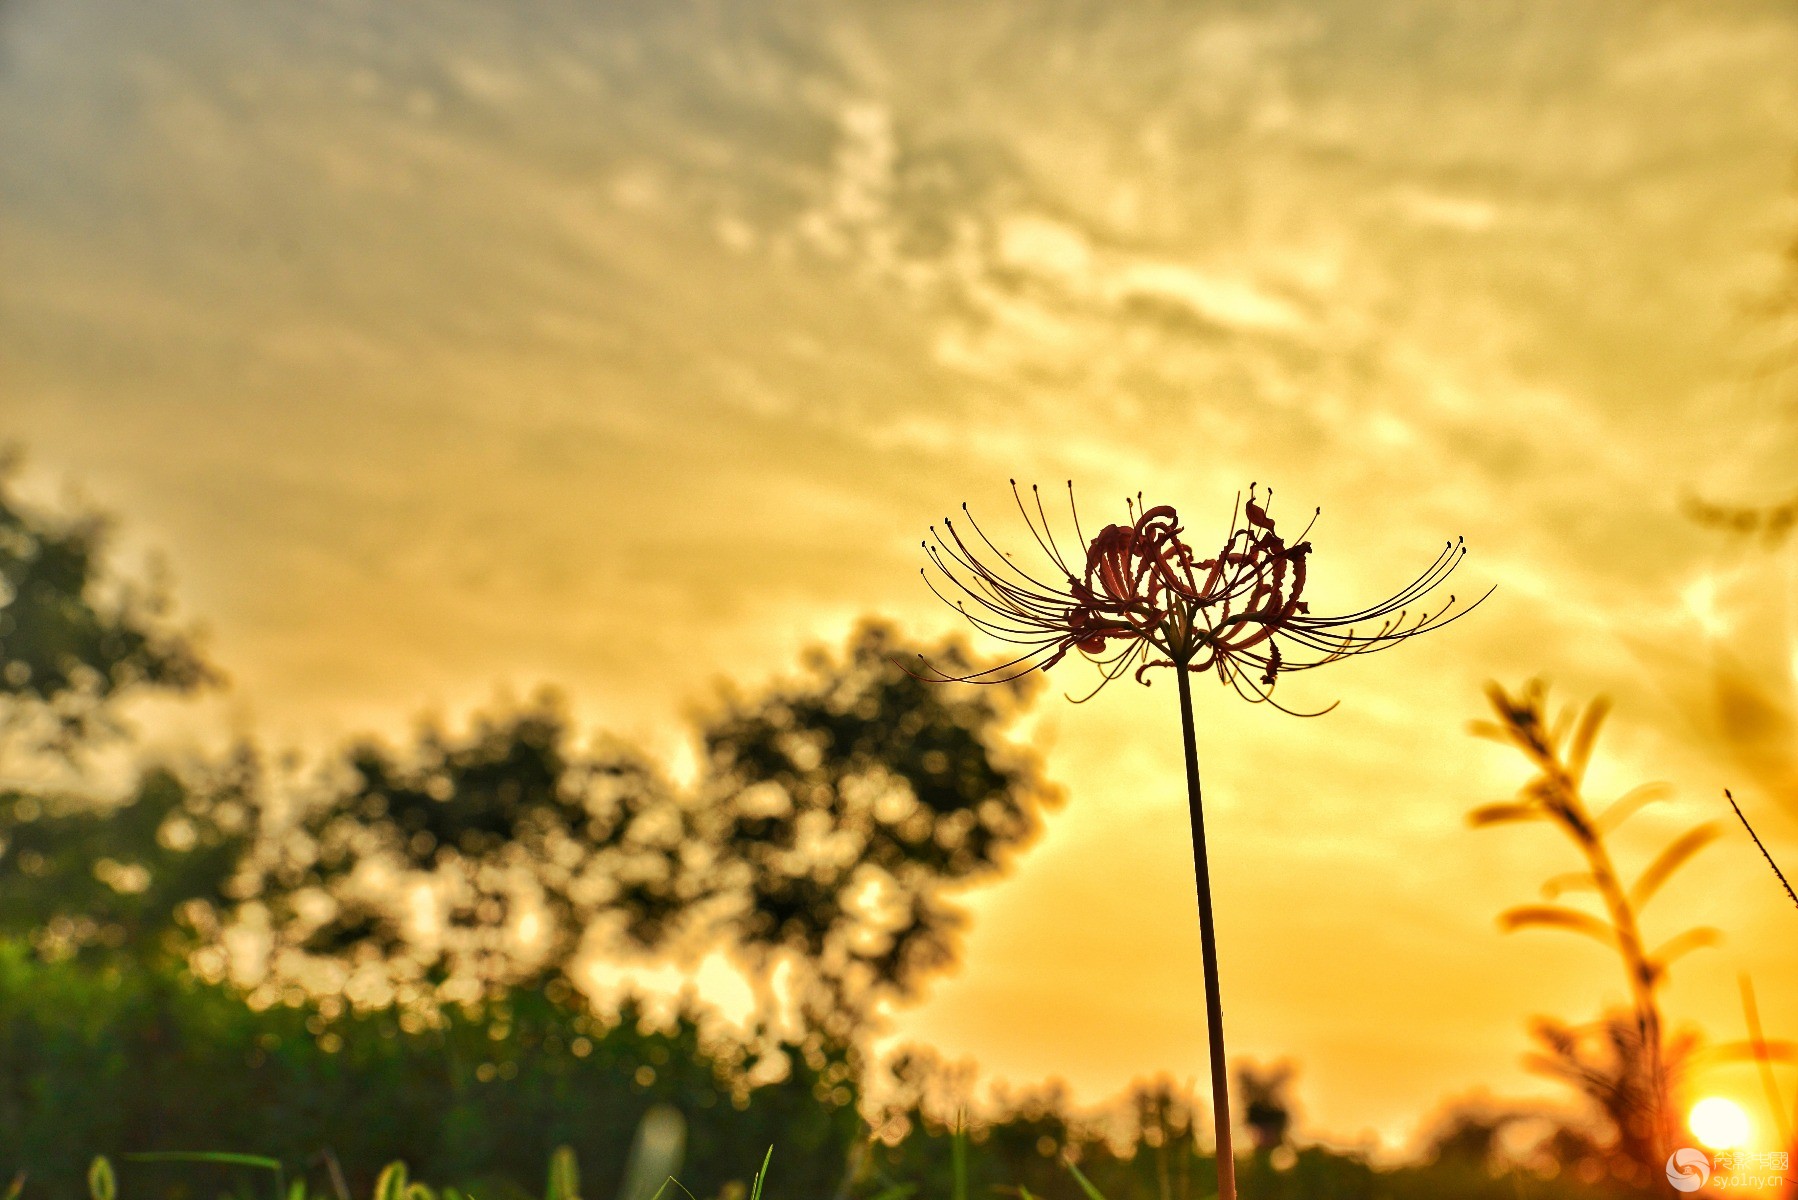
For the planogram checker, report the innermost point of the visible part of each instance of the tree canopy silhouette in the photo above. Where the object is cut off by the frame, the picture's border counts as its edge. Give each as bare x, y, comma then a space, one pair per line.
832, 814
150, 879
75, 636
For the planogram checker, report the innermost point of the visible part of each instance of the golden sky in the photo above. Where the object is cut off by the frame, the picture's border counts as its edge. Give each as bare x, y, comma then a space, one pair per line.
448, 346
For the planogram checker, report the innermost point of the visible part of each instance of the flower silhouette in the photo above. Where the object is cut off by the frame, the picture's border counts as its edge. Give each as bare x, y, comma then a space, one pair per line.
1140, 598
1137, 597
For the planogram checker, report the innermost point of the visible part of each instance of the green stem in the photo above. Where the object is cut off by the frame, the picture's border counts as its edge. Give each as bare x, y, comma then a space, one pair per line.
1214, 1012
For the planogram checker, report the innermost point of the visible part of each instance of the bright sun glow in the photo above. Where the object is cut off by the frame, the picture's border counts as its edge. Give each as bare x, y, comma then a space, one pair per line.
1718, 1123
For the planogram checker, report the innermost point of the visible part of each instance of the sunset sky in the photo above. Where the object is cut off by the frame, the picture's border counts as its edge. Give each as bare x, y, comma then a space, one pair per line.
450, 347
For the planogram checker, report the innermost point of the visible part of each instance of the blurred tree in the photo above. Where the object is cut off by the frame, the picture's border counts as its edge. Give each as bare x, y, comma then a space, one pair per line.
832, 814
839, 809
1470, 1135
1266, 1105
1165, 1124
148, 879
82, 875
74, 636
512, 840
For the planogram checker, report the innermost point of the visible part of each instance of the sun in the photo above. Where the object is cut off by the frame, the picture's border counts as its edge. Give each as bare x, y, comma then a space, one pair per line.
1718, 1123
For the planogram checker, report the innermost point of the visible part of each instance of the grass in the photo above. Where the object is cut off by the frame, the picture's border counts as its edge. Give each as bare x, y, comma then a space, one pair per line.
562, 1182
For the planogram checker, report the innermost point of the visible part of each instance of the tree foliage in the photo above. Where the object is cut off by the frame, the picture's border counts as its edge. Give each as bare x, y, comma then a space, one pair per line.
74, 635
832, 814
839, 809
82, 876
145, 881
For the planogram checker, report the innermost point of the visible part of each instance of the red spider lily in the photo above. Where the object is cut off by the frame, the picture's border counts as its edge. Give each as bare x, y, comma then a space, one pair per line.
1143, 599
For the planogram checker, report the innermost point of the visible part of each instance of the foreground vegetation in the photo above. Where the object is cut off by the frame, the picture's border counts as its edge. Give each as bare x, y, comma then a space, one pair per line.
479, 1101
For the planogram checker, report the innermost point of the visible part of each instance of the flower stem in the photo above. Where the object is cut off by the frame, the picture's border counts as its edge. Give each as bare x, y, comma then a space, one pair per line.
1214, 1012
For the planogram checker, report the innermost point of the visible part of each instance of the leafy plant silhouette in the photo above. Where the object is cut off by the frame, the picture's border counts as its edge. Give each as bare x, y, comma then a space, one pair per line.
1624, 1065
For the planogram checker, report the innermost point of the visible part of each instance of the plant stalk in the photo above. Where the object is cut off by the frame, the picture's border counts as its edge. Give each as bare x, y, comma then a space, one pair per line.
1641, 971
1214, 1012
1642, 978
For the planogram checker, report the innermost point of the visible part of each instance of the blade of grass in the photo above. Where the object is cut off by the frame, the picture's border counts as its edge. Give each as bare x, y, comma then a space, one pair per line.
338, 1183
206, 1156
755, 1193
101, 1184
1086, 1185
219, 1158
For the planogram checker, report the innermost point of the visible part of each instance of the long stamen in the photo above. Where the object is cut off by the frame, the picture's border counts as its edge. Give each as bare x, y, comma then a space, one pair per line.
1031, 525
1075, 510
1049, 532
